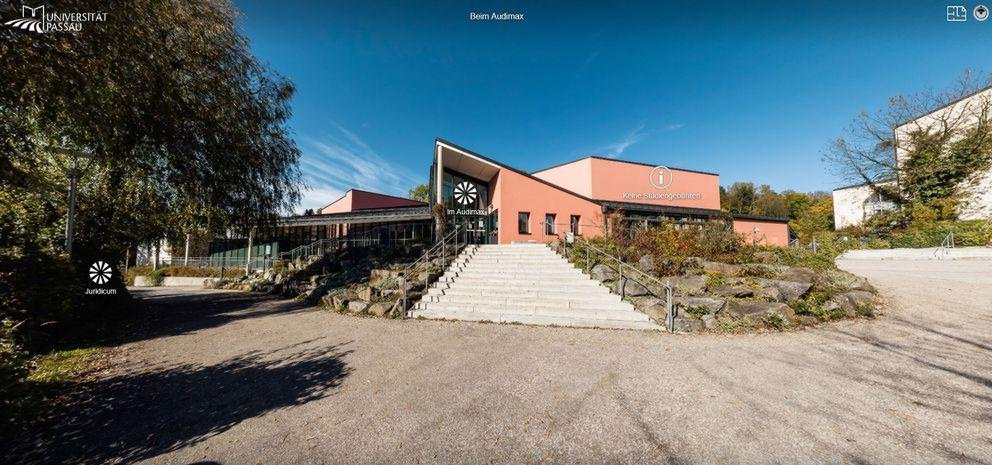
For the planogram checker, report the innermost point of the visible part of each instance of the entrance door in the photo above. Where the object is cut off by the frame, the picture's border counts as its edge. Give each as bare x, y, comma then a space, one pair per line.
473, 229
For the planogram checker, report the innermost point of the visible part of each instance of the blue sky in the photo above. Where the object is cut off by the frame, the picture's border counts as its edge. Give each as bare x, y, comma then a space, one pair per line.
753, 90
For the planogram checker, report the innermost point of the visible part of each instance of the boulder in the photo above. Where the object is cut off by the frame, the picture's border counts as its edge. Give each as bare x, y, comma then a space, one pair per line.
692, 263
686, 323
427, 275
757, 311
379, 274
646, 263
861, 284
710, 304
722, 268
771, 294
796, 274
603, 273
687, 284
391, 293
397, 308
710, 321
380, 308
357, 306
632, 288
789, 290
850, 302
365, 293
725, 290
655, 309
765, 256
341, 300
327, 301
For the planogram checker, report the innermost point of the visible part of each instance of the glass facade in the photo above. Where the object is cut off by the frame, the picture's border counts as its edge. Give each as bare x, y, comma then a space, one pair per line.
467, 202
463, 193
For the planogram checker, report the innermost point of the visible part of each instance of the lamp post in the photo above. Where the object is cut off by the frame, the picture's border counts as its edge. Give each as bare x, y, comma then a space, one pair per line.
73, 173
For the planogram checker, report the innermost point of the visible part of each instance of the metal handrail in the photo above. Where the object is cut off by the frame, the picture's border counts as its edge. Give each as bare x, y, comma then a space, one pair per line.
425, 258
947, 243
669, 308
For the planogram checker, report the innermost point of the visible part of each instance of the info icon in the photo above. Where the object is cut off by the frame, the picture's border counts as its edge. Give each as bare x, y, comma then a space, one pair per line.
981, 13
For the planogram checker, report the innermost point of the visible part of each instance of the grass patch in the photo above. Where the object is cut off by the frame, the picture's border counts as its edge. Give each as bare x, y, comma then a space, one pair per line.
29, 399
735, 325
774, 320
62, 366
696, 311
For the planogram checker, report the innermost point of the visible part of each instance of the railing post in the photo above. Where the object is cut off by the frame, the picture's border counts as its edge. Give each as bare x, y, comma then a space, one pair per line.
669, 308
620, 281
403, 286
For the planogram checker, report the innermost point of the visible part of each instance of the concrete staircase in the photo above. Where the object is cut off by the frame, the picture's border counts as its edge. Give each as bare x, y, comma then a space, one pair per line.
525, 283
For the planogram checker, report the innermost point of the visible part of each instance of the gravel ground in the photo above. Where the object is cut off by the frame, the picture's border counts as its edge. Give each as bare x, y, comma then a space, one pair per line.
240, 379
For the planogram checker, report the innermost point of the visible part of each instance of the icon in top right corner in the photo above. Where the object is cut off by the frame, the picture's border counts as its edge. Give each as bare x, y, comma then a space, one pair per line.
957, 13
981, 13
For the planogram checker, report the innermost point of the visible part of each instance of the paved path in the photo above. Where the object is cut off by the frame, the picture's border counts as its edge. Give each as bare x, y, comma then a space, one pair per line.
237, 379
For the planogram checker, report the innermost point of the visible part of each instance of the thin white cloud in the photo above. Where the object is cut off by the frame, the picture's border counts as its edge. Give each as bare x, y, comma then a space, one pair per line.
318, 197
674, 127
617, 148
341, 160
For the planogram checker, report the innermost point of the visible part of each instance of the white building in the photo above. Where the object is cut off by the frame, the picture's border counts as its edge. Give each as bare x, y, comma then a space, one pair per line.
853, 204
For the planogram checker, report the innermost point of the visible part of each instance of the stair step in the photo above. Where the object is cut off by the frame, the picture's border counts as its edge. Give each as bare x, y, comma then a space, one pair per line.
591, 294
516, 282
537, 320
525, 283
558, 301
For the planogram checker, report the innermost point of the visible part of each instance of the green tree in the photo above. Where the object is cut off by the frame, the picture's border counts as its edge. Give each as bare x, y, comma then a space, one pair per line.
767, 202
740, 198
420, 193
816, 217
939, 156
184, 129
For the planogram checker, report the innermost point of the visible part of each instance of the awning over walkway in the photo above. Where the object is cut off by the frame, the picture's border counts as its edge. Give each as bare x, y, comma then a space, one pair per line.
372, 215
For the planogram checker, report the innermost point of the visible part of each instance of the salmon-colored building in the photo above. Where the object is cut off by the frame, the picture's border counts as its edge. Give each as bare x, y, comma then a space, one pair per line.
495, 203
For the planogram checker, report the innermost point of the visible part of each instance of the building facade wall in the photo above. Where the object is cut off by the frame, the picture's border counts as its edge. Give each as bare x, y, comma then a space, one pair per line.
514, 193
361, 200
615, 180
976, 199
575, 176
769, 232
342, 205
853, 205
622, 181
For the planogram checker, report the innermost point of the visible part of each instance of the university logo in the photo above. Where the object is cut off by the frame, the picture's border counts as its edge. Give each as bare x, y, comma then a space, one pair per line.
32, 19
36, 19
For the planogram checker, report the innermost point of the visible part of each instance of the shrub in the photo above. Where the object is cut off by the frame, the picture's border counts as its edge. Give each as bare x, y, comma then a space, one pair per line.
697, 312
774, 320
389, 282
155, 277
673, 244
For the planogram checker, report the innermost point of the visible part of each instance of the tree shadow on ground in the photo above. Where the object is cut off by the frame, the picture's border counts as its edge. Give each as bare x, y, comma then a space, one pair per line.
163, 314
141, 414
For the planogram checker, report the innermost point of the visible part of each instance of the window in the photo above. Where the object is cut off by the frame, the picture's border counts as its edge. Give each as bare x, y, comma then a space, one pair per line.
549, 223
523, 222
573, 224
